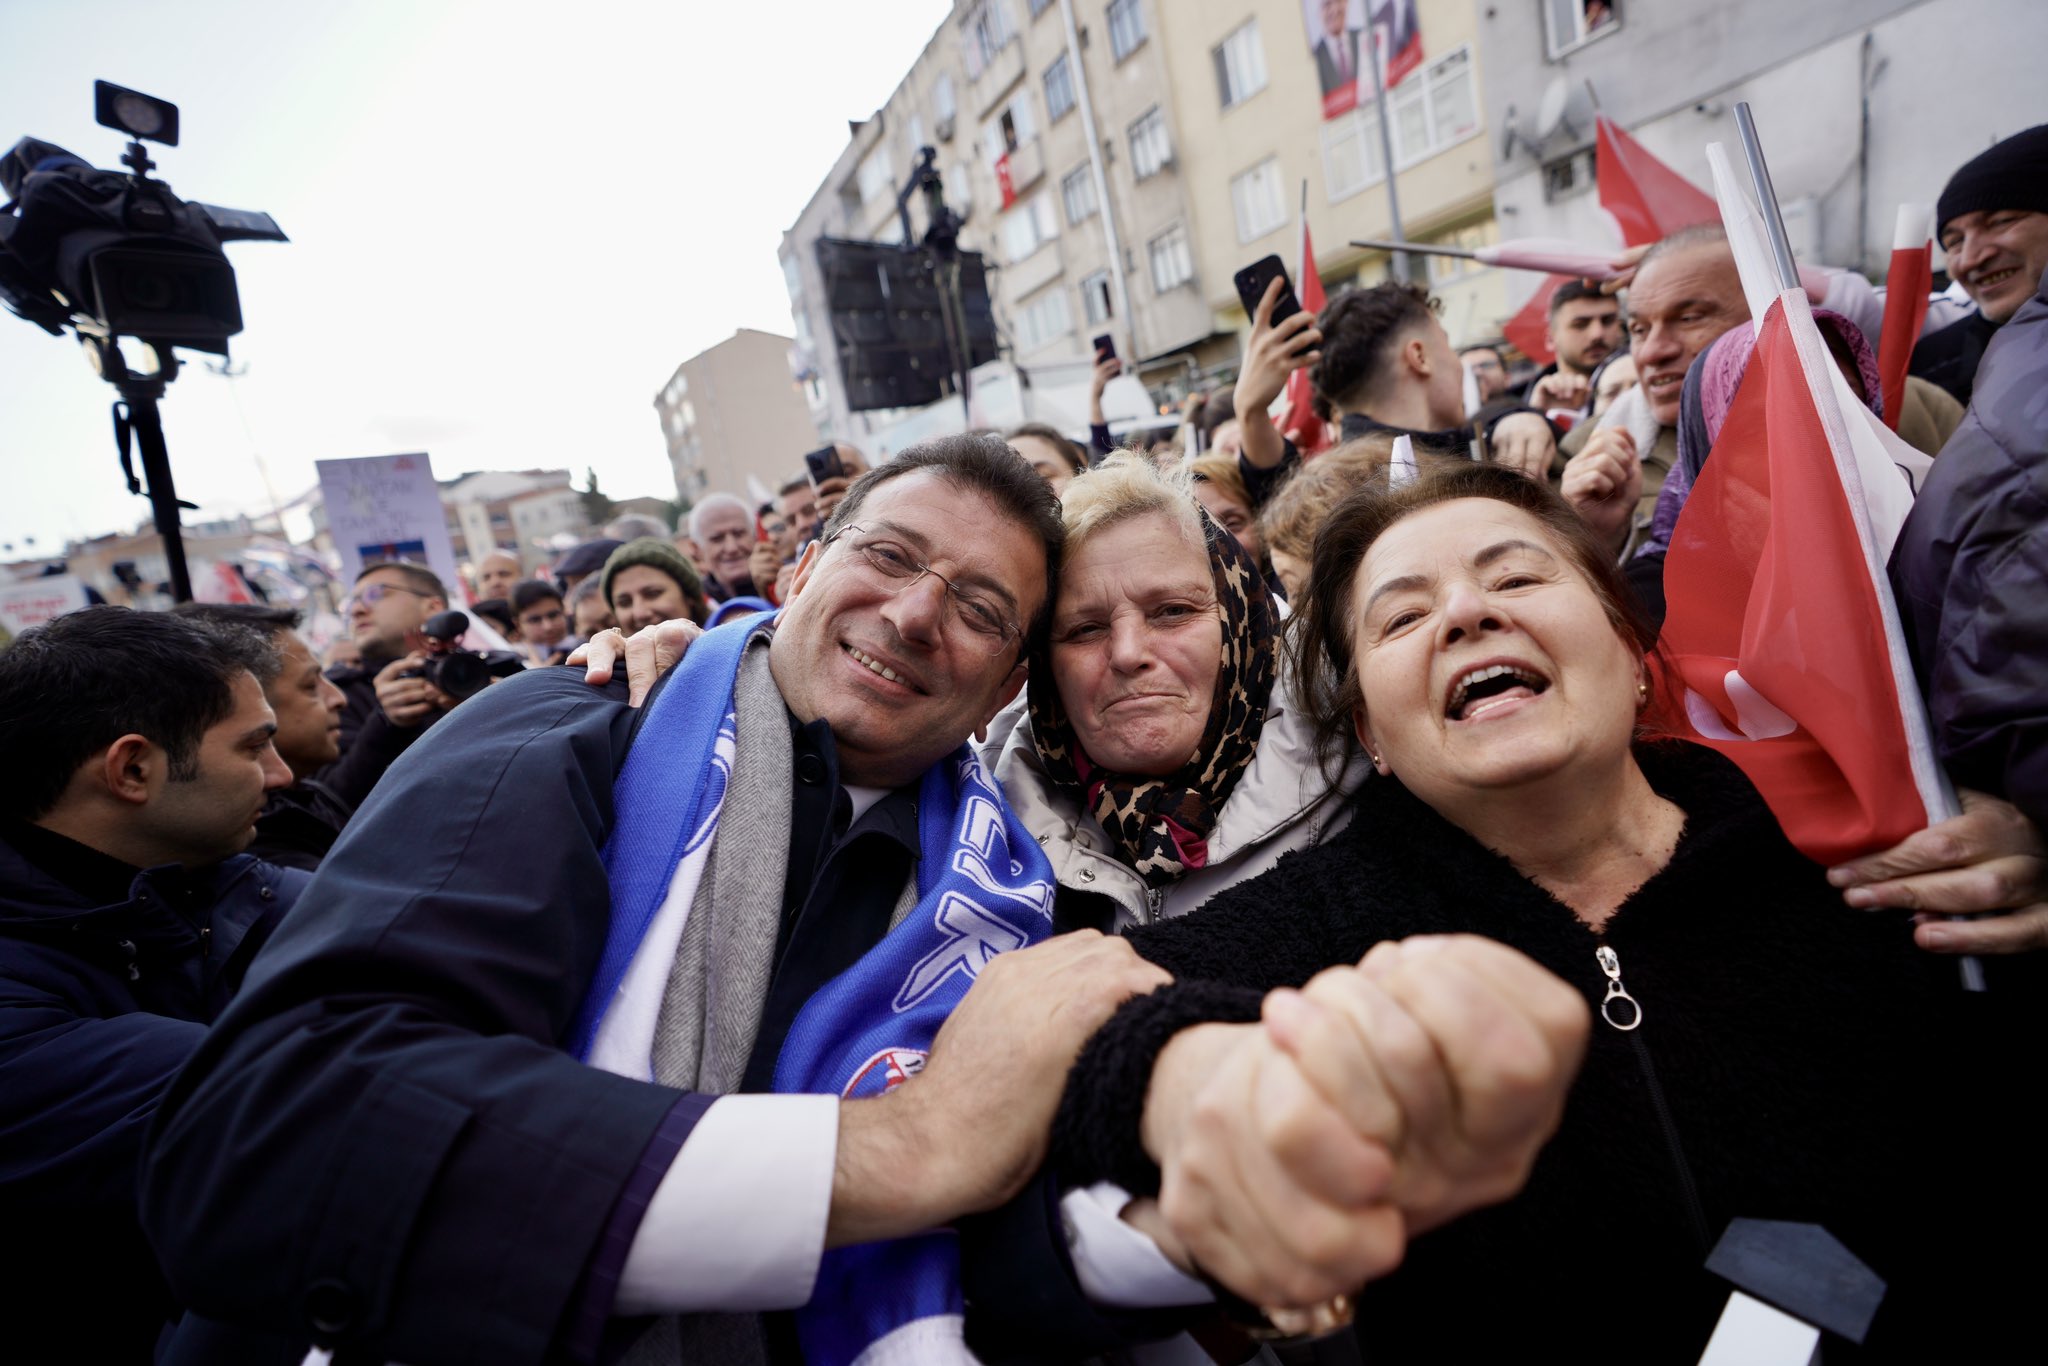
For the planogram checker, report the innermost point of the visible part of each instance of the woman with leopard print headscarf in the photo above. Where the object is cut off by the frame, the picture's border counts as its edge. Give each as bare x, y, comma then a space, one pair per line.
1159, 755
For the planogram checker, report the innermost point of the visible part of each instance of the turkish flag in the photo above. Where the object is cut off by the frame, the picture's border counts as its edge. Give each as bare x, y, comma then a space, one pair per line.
1905, 304
1309, 433
1648, 199
1003, 183
1782, 646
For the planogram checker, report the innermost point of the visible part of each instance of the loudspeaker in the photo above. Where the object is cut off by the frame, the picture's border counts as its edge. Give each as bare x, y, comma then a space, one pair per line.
887, 326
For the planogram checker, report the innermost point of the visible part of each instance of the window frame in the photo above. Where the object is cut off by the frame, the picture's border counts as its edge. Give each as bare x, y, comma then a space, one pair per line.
1185, 254
1151, 118
1083, 175
1066, 74
1553, 49
1220, 57
1119, 53
1267, 173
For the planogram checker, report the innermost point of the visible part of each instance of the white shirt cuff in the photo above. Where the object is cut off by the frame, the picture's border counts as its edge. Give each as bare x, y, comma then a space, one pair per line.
1118, 1266
738, 1222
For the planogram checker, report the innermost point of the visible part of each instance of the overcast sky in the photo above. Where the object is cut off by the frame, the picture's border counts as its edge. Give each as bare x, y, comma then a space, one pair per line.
510, 222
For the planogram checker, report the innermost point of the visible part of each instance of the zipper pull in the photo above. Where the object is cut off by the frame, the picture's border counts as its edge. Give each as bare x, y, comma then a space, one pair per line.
1617, 1001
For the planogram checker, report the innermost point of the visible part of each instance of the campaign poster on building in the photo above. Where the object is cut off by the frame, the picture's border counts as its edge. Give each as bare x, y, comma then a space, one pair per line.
387, 507
1343, 32
31, 602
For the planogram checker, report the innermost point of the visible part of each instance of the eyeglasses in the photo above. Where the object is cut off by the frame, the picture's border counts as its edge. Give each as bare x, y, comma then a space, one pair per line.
985, 623
370, 594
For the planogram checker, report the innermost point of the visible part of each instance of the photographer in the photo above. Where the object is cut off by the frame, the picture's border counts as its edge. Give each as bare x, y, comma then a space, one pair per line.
388, 705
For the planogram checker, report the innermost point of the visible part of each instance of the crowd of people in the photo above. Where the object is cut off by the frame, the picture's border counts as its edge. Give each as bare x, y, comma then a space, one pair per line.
1034, 901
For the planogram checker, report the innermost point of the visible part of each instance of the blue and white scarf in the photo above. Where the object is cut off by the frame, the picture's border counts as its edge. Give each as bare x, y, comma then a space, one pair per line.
984, 887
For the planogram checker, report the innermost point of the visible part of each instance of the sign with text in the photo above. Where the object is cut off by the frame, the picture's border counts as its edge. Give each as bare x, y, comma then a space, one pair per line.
387, 507
32, 602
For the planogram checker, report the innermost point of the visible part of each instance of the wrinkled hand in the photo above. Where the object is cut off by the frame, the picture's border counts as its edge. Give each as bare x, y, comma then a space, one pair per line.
1298, 1157
1524, 443
1626, 264
762, 565
1990, 858
1559, 389
407, 701
649, 653
968, 1131
1603, 483
1273, 353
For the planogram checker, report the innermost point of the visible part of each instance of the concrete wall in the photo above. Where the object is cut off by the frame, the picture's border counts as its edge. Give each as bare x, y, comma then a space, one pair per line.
1952, 76
749, 419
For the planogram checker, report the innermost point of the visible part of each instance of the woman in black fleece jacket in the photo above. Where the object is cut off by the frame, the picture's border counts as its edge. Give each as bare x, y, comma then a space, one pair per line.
1794, 1060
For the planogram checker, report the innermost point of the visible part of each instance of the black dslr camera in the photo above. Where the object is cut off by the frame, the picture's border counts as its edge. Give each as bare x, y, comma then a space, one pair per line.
458, 672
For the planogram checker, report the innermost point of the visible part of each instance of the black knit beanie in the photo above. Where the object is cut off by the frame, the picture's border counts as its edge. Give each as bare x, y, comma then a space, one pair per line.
655, 554
2009, 175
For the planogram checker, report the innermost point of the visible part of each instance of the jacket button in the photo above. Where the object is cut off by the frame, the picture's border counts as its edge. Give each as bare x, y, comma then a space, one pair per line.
1087, 875
331, 1307
269, 895
1043, 838
810, 769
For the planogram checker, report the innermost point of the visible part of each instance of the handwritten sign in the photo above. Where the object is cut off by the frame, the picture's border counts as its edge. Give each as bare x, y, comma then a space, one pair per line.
34, 601
387, 507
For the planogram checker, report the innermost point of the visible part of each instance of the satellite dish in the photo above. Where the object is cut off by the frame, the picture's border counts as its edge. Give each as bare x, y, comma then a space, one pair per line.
1550, 110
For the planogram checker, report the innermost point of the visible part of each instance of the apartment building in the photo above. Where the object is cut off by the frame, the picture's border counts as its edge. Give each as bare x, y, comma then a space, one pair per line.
1207, 118
1861, 104
735, 418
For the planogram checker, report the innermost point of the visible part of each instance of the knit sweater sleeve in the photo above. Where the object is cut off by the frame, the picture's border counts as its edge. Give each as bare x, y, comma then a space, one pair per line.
1275, 930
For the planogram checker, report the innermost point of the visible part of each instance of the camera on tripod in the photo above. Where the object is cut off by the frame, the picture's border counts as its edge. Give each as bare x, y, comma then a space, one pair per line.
116, 254
112, 255
458, 672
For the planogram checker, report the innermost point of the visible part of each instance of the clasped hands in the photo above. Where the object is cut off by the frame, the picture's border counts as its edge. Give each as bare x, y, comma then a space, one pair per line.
1298, 1155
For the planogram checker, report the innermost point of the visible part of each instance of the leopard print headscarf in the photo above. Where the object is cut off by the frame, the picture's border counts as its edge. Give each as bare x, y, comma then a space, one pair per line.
1160, 826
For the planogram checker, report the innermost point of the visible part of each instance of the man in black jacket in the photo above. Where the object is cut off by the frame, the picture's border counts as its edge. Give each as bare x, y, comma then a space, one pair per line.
138, 752
1992, 223
299, 823
383, 1145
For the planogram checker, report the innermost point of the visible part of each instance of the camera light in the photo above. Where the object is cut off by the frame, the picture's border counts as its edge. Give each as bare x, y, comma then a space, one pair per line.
134, 113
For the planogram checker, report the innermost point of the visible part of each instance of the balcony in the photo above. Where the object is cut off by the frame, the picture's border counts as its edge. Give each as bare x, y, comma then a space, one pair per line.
1027, 166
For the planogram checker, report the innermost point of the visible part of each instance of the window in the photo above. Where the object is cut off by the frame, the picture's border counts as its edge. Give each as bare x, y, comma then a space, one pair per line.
942, 100
1568, 176
1045, 317
1126, 28
1256, 196
915, 128
1151, 151
1095, 298
1429, 114
1011, 128
1029, 225
1573, 22
987, 31
1240, 65
1446, 269
1039, 7
1077, 189
877, 176
1059, 90
1172, 262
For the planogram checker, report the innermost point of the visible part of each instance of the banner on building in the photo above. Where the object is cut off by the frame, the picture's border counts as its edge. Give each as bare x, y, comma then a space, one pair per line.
1340, 31
387, 507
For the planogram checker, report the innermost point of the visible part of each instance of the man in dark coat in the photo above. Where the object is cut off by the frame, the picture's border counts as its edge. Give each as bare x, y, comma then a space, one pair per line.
384, 1144
384, 712
1992, 223
1968, 570
299, 823
137, 748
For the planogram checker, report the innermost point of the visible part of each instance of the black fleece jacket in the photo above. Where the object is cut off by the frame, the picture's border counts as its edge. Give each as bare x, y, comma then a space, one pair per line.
1815, 1067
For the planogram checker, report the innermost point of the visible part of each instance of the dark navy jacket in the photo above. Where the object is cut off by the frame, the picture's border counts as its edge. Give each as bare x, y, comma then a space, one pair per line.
1971, 574
99, 1006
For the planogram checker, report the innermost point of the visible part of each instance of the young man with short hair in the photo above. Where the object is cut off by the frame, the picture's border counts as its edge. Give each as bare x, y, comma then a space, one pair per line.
138, 752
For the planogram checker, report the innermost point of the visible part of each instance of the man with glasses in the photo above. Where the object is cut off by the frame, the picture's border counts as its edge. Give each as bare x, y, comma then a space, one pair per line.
518, 896
387, 705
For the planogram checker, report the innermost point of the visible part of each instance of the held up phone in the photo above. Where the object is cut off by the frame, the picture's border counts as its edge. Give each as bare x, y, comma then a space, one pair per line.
1251, 288
824, 463
1105, 347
